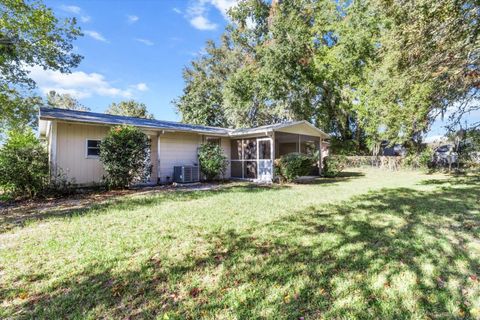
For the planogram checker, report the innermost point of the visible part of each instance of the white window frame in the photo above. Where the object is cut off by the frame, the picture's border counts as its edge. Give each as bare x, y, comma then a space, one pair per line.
86, 148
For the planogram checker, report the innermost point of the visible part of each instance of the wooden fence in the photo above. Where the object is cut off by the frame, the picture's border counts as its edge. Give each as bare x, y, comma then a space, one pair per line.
383, 162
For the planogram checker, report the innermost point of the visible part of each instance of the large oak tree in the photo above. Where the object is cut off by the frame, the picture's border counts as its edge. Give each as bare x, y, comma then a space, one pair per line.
30, 35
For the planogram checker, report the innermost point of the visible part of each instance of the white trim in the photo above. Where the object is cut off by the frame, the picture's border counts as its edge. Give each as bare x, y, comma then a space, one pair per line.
271, 157
86, 148
53, 149
159, 176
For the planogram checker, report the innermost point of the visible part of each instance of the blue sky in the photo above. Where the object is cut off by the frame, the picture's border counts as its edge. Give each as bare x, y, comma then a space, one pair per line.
138, 49
135, 50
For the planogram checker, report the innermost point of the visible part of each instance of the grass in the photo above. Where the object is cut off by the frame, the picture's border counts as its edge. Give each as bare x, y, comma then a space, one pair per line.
369, 245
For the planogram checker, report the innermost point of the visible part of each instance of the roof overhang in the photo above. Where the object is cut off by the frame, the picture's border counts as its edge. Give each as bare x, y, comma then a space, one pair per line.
299, 127
69, 116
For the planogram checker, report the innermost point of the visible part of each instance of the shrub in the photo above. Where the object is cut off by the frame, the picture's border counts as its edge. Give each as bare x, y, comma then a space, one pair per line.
425, 158
125, 154
333, 165
422, 160
60, 185
213, 162
293, 165
23, 164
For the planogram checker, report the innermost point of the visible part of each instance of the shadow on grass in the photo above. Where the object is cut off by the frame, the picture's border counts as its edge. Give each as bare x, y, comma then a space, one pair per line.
16, 217
397, 253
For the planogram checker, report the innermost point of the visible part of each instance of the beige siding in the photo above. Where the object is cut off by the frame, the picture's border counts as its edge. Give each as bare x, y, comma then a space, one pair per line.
71, 152
300, 128
154, 158
177, 149
226, 145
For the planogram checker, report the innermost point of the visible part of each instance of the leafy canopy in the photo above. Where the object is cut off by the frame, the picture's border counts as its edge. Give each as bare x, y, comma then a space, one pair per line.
64, 101
365, 71
129, 108
30, 36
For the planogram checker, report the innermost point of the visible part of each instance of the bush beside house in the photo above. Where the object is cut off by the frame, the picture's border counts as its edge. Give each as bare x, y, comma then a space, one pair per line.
125, 154
23, 165
212, 160
333, 165
293, 165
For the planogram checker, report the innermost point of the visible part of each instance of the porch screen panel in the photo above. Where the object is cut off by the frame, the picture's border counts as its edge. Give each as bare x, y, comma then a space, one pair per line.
250, 169
236, 169
236, 158
264, 150
236, 150
309, 144
250, 149
265, 167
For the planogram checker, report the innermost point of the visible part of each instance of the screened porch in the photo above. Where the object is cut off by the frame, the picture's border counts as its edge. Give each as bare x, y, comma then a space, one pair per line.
253, 157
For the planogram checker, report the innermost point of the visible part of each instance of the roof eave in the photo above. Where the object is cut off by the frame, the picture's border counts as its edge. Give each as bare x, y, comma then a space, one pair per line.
158, 128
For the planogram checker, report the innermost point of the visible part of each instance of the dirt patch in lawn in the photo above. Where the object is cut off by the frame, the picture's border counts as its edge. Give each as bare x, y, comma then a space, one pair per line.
17, 213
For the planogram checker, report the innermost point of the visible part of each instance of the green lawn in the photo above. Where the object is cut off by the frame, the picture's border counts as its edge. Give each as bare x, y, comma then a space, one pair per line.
372, 244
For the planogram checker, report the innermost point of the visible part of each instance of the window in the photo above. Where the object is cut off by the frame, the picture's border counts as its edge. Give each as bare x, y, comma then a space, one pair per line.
213, 140
93, 148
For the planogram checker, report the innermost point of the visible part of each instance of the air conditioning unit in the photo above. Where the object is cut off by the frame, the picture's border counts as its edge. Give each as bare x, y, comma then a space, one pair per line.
186, 174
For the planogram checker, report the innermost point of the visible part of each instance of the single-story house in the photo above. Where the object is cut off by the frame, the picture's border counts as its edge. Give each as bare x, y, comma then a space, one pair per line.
73, 139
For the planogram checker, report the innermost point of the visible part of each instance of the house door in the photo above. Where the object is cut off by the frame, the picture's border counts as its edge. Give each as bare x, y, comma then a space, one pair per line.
264, 158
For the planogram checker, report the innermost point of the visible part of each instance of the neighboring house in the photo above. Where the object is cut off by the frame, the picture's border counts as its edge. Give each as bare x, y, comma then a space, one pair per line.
74, 137
392, 151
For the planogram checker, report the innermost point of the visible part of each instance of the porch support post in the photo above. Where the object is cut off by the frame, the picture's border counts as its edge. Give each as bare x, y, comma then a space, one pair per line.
320, 156
272, 154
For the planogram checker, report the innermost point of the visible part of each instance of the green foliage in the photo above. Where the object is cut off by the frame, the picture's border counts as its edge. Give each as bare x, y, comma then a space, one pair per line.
23, 164
129, 108
366, 71
212, 160
425, 63
333, 165
31, 37
373, 245
420, 160
64, 101
294, 165
202, 98
125, 154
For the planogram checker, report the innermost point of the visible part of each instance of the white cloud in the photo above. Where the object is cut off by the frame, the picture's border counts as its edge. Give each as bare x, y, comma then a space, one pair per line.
223, 5
85, 19
198, 10
76, 11
202, 23
95, 35
71, 9
145, 41
176, 10
132, 19
79, 84
141, 86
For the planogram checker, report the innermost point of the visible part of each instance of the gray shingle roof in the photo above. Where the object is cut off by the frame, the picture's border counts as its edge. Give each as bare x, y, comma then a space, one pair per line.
92, 117
102, 118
